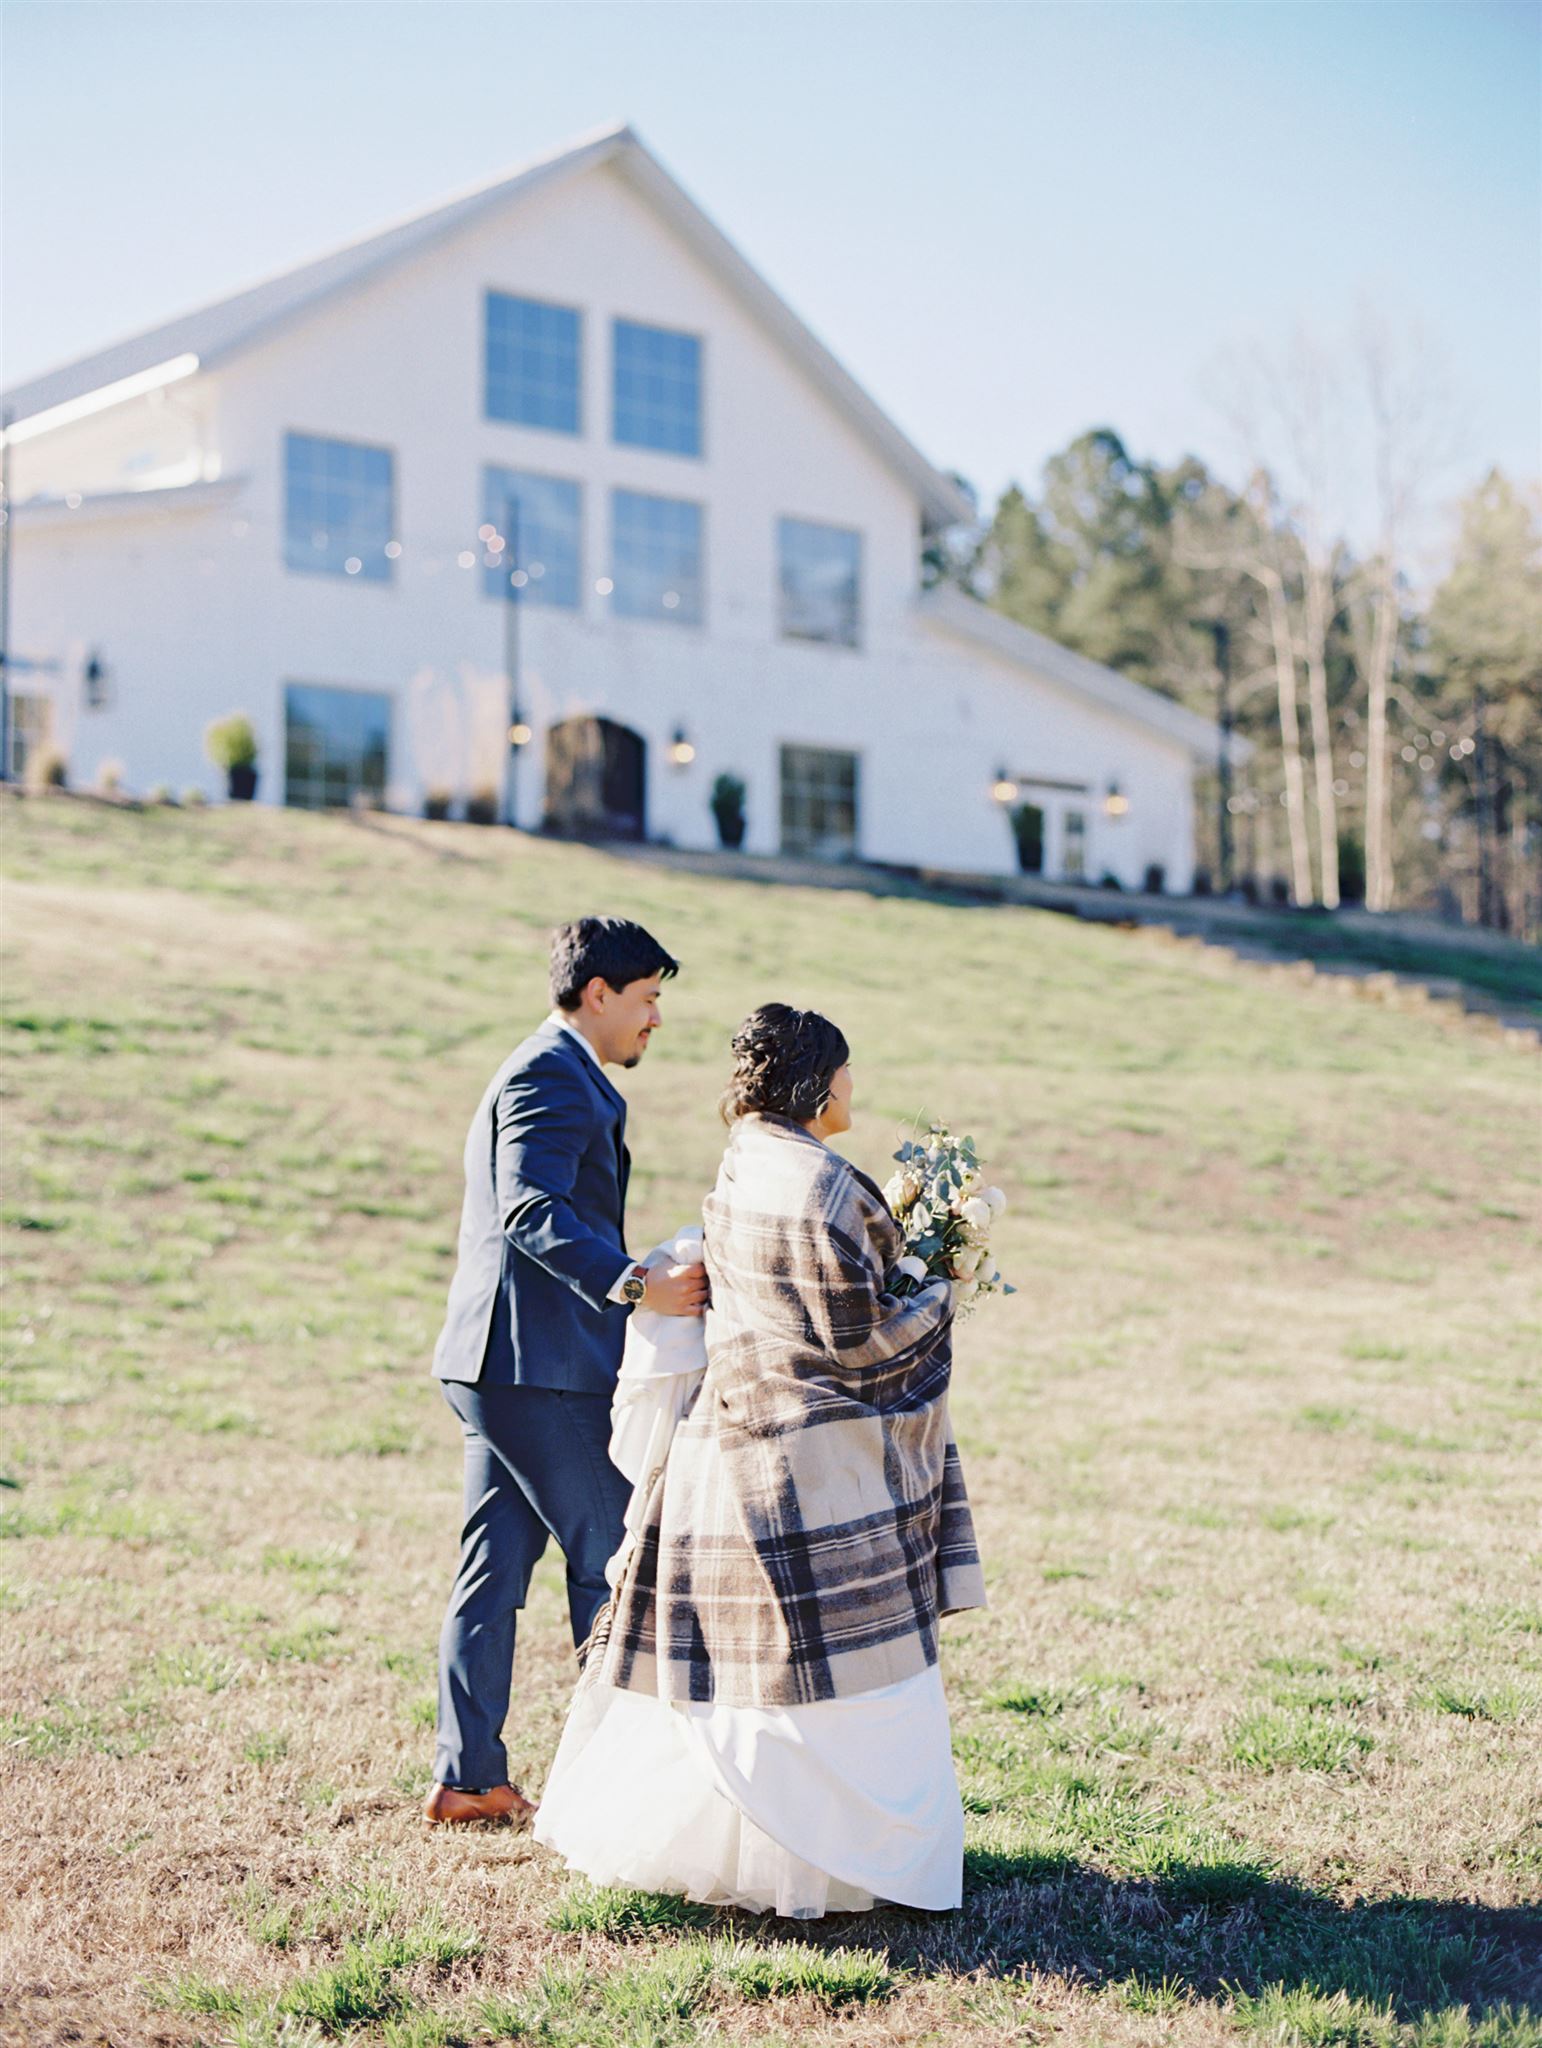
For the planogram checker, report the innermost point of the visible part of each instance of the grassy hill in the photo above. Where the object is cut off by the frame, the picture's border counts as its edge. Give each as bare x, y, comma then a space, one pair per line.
1249, 1735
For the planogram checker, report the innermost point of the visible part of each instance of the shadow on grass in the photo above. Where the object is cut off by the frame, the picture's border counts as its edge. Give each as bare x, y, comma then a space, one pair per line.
1202, 1931
1218, 1928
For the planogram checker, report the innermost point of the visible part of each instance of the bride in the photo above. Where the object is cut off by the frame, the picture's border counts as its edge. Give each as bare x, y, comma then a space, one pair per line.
761, 1721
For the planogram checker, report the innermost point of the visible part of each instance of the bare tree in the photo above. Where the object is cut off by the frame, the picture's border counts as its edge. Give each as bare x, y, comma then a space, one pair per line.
1269, 574
1353, 432
1285, 412
1410, 438
1306, 397
1253, 547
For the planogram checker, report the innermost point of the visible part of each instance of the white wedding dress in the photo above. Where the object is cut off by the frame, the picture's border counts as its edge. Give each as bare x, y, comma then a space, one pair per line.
799, 1811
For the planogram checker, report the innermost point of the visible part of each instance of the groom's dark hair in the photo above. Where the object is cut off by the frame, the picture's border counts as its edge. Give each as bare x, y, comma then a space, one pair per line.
612, 947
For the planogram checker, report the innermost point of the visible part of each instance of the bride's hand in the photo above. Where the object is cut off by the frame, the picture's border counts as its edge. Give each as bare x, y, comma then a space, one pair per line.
676, 1290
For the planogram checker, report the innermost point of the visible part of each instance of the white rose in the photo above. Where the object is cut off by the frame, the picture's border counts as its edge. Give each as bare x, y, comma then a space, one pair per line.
977, 1213
963, 1289
997, 1200
912, 1267
966, 1263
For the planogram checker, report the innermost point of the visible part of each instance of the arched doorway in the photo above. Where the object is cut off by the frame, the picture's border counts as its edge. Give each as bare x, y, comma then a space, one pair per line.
596, 780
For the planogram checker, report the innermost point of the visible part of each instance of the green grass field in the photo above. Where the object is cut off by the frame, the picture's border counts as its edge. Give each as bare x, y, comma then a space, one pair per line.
1251, 1735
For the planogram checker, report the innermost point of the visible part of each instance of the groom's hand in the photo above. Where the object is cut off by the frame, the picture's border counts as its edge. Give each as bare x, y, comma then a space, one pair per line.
676, 1290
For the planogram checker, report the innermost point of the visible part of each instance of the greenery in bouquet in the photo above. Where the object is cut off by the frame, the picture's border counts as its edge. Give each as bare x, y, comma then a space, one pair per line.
943, 1205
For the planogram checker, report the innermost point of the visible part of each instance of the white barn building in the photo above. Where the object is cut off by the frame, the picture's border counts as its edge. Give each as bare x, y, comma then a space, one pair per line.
556, 427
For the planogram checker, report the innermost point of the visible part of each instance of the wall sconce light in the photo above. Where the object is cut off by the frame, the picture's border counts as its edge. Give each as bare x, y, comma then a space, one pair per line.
96, 684
1004, 789
681, 752
520, 732
1116, 803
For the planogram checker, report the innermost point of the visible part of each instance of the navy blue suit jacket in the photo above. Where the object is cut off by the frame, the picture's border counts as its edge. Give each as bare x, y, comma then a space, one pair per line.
560, 1169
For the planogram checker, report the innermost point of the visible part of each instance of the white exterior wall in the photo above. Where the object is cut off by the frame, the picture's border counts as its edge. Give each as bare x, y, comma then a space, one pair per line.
196, 613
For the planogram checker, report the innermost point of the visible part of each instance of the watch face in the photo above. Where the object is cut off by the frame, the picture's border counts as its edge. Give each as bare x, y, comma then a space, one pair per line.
634, 1288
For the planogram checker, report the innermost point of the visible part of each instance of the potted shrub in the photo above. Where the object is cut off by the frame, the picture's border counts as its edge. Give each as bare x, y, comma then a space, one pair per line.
231, 744
482, 806
47, 769
436, 803
728, 795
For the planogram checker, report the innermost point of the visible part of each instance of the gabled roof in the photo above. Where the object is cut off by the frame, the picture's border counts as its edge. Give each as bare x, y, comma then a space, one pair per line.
216, 332
955, 611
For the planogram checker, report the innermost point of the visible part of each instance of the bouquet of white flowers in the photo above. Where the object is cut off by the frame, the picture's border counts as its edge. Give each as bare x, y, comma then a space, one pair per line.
940, 1201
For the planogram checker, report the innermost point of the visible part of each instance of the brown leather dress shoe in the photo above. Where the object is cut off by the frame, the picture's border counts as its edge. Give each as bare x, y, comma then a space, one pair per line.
499, 1803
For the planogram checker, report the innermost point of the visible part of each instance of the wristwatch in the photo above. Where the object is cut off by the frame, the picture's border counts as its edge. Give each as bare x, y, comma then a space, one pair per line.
635, 1285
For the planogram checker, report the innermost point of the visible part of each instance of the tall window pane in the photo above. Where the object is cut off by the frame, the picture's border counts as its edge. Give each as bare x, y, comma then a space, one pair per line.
657, 388
339, 507
819, 803
30, 727
1074, 857
537, 523
337, 745
821, 575
656, 558
532, 363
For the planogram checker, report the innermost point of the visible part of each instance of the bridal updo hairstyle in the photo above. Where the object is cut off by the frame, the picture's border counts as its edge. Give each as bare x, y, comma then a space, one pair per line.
784, 1062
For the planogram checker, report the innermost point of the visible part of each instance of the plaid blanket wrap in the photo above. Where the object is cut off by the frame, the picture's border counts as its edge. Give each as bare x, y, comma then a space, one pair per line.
811, 1523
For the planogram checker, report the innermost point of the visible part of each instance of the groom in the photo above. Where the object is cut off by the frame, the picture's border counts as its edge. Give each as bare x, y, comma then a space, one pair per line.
533, 1336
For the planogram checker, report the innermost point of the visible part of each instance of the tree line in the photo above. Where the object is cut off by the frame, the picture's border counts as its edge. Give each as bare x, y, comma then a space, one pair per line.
1396, 733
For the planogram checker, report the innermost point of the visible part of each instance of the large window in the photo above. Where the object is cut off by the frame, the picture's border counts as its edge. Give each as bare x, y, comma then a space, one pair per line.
819, 803
532, 362
657, 388
655, 547
537, 524
1073, 845
336, 745
339, 507
821, 575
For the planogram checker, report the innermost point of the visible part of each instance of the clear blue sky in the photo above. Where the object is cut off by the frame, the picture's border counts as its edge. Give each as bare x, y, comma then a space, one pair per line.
1010, 221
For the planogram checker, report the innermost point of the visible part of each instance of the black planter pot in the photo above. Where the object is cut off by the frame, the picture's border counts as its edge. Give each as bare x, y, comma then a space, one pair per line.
730, 829
241, 783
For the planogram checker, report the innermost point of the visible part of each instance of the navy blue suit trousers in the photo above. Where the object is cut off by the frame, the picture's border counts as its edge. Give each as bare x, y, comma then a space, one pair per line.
537, 1466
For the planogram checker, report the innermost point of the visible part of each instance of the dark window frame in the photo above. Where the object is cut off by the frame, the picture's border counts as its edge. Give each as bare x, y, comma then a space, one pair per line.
309, 566
386, 697
515, 419
665, 615
797, 838
697, 453
493, 587
786, 524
